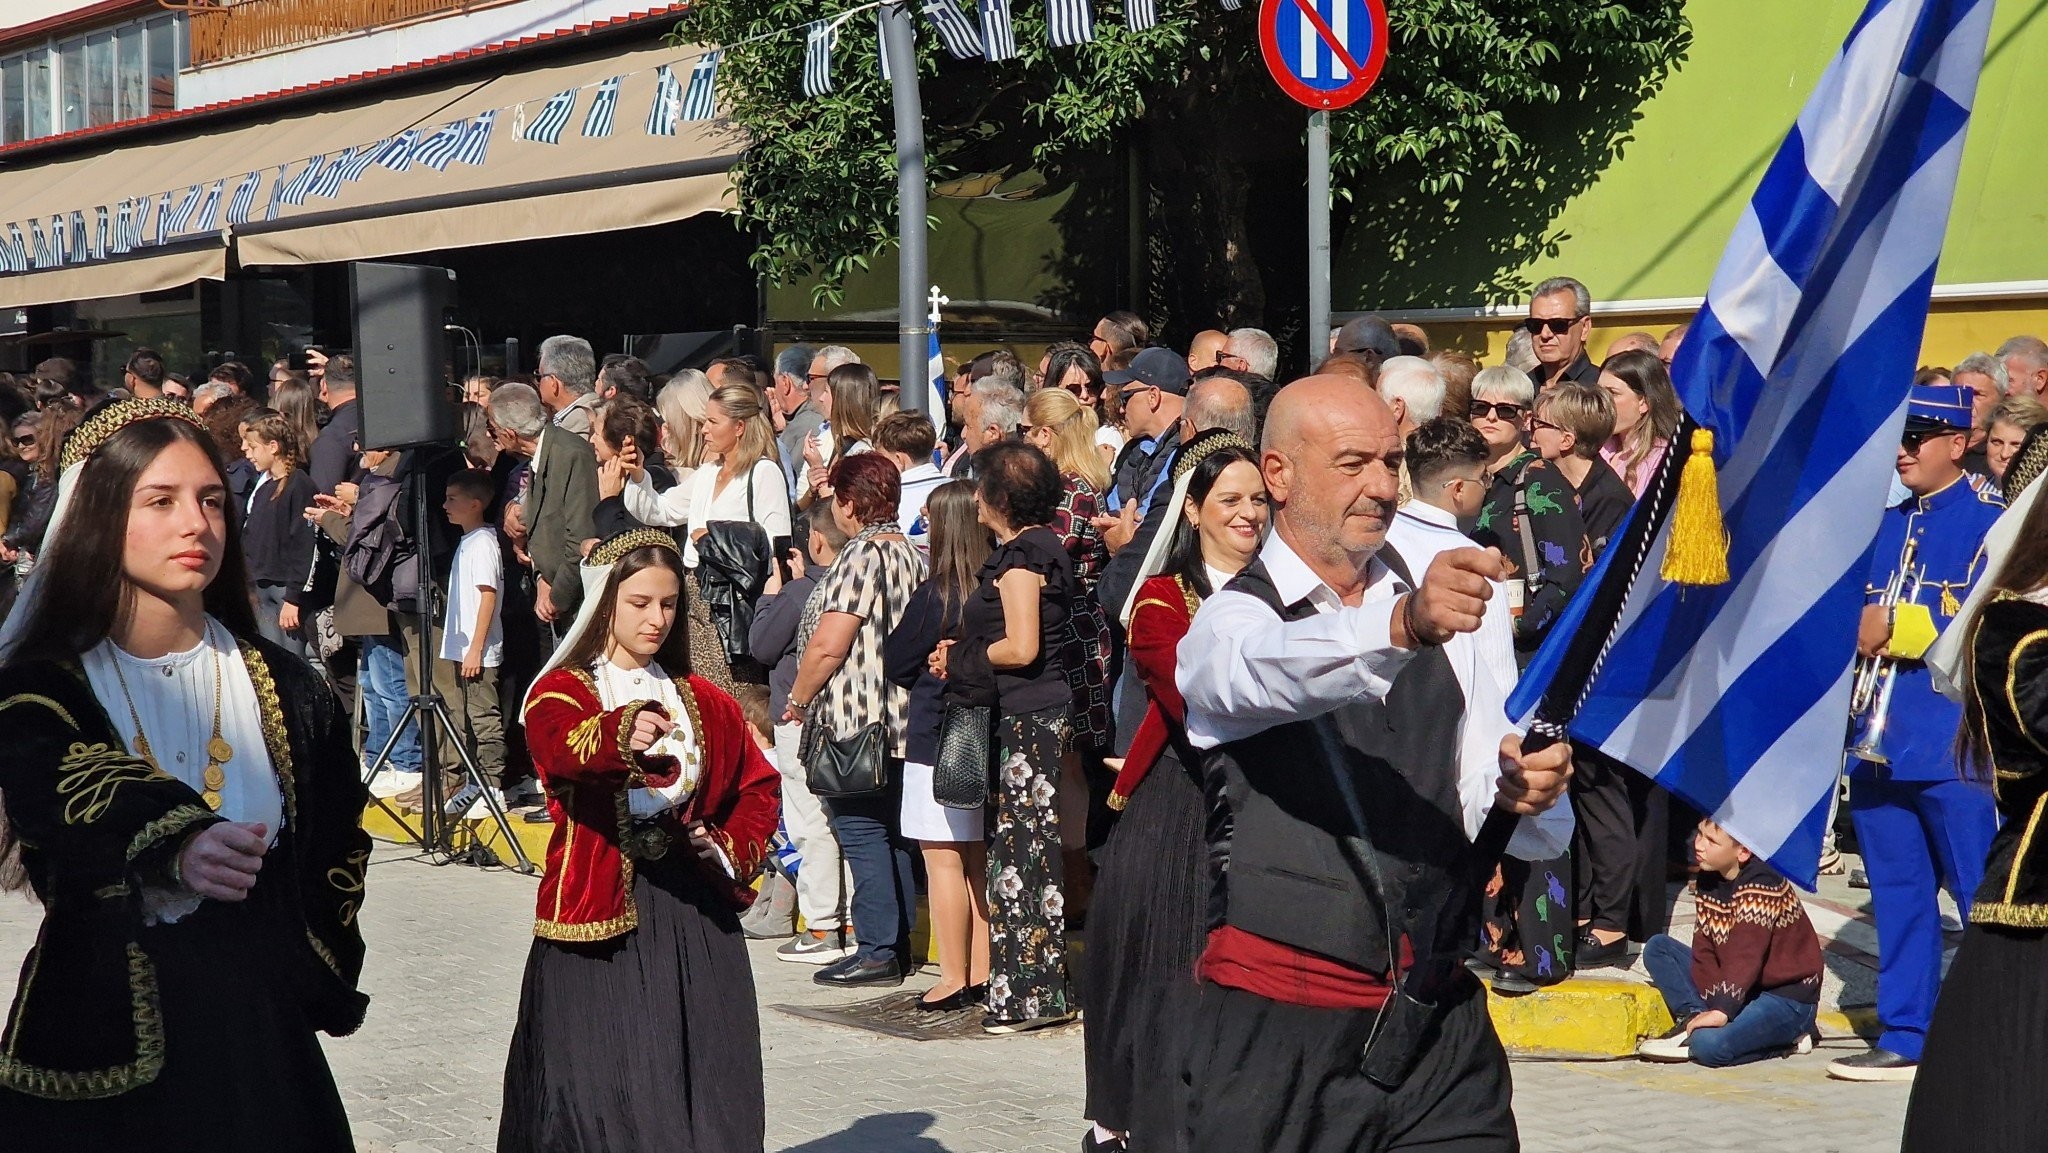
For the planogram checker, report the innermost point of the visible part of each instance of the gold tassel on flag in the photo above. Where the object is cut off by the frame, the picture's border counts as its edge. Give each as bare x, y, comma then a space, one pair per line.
1698, 551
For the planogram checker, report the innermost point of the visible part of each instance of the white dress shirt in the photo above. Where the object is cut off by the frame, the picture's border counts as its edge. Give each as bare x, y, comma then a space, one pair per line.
699, 501
1242, 672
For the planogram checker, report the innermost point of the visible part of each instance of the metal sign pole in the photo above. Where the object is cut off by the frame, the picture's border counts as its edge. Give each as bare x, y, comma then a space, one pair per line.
1318, 238
913, 331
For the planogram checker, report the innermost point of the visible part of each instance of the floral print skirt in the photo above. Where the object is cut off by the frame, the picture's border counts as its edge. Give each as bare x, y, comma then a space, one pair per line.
1026, 908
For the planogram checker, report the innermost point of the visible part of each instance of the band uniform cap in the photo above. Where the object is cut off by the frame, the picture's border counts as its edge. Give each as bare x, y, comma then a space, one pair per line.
1938, 407
1160, 368
1368, 334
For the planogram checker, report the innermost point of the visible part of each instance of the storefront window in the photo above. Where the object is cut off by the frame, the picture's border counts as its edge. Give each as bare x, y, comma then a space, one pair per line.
133, 72
120, 73
71, 86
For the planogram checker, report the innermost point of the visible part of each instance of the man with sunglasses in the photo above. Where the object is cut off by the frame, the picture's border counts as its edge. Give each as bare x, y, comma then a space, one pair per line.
1919, 823
1560, 317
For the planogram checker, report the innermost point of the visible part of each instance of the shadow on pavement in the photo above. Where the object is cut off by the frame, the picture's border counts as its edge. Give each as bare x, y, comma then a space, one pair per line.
893, 1132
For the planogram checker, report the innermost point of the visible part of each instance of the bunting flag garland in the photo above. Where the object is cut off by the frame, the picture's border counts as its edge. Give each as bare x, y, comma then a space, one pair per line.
698, 101
244, 199
1141, 14
102, 233
60, 253
961, 39
661, 118
209, 207
1232, 5
476, 138
122, 212
1069, 23
437, 150
134, 218
818, 38
295, 192
327, 185
397, 152
276, 192
163, 217
547, 127
998, 37
603, 109
42, 243
17, 252
7, 263
182, 218
81, 241
353, 168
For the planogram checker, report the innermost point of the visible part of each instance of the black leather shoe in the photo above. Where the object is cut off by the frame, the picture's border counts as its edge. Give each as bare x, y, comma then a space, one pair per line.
1875, 1065
1507, 983
1594, 955
1090, 1145
859, 974
955, 1000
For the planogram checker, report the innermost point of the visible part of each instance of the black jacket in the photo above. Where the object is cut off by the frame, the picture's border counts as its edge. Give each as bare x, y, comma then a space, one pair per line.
904, 656
772, 639
334, 458
277, 541
2009, 666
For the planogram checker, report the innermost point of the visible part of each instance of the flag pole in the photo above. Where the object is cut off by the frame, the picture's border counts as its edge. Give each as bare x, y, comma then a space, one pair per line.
913, 330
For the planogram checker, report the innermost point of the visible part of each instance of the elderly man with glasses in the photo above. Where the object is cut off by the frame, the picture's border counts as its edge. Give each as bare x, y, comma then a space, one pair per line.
1560, 318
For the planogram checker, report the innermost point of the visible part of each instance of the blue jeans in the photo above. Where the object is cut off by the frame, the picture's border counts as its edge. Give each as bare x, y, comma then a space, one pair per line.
381, 680
870, 832
1766, 1027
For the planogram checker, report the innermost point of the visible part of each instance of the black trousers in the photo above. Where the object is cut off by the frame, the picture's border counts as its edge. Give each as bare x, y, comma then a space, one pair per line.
1281, 1078
1619, 847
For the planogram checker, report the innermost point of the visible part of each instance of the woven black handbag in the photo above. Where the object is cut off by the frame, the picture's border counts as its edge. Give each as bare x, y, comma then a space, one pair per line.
966, 757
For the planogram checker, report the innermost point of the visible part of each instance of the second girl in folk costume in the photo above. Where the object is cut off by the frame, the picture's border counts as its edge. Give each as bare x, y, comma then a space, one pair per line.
1150, 899
637, 1024
186, 807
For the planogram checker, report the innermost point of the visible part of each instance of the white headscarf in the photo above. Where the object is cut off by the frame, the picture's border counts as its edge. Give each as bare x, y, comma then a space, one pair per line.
596, 572
1192, 453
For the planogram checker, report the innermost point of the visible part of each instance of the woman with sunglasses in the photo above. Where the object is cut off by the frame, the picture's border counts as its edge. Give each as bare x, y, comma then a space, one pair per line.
1530, 513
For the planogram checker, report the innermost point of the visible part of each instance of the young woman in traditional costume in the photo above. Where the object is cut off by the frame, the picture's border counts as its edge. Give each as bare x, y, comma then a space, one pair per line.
637, 1025
181, 797
1150, 898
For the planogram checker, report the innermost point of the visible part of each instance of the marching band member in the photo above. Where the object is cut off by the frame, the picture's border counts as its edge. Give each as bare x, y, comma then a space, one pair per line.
1918, 823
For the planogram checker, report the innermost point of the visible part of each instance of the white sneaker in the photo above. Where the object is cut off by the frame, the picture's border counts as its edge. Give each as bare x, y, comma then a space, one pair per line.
1673, 1048
392, 782
468, 803
1804, 1045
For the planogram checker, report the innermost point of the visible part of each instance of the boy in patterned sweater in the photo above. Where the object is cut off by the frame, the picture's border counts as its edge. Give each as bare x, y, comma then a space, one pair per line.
1749, 986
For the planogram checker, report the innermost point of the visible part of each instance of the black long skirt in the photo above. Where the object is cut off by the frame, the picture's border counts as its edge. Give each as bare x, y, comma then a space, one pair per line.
1980, 1084
243, 1071
1145, 932
646, 1042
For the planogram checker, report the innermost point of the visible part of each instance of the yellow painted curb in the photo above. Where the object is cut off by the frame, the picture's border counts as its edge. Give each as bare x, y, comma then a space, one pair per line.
1579, 1017
532, 838
1860, 1021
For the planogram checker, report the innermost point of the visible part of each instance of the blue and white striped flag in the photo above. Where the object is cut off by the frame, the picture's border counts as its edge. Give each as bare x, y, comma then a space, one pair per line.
17, 252
243, 202
60, 242
1736, 696
603, 109
1141, 14
396, 153
962, 40
475, 145
818, 37
137, 226
935, 372
1232, 5
81, 240
1069, 22
42, 243
554, 116
699, 102
438, 149
352, 169
163, 218
209, 207
295, 192
998, 36
882, 41
326, 183
277, 184
7, 263
102, 233
668, 100
181, 218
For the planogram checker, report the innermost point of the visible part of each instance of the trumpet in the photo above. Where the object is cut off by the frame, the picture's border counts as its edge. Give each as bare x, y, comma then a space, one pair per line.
1870, 694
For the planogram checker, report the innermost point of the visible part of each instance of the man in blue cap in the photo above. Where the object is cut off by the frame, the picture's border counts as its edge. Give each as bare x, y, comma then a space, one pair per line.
1918, 823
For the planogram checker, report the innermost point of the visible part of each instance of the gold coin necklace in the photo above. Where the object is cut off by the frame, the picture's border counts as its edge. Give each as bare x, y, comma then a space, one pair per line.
218, 751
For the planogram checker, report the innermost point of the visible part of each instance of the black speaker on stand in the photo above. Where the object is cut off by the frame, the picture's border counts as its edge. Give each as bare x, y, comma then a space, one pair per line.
400, 323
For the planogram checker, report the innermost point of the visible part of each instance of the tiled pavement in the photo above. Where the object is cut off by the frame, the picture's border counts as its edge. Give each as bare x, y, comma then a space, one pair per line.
447, 946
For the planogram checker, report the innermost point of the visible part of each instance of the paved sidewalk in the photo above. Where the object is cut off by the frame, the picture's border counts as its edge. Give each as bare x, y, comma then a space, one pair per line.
447, 946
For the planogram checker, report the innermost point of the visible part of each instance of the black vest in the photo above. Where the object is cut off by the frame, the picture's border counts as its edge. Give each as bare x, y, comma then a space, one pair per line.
1288, 859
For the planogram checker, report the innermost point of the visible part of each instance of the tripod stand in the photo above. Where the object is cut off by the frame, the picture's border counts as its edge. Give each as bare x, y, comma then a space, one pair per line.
436, 834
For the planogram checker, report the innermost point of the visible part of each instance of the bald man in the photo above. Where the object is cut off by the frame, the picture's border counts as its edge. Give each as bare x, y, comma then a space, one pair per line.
1357, 736
1638, 341
1206, 350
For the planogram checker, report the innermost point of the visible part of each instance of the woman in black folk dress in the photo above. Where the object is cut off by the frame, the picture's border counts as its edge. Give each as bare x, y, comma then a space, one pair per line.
181, 796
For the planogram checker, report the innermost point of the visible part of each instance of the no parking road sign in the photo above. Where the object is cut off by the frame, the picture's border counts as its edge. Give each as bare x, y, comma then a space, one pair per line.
1324, 53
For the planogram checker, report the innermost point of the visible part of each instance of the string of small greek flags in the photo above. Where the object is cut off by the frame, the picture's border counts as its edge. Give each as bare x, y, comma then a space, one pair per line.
153, 219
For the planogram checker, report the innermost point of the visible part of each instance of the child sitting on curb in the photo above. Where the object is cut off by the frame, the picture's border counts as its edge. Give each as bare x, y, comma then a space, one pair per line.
1749, 986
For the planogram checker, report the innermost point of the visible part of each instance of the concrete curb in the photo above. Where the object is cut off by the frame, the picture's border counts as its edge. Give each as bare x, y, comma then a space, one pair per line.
1582, 1017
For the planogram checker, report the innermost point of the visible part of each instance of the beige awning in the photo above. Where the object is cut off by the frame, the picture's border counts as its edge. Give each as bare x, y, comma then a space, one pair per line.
524, 190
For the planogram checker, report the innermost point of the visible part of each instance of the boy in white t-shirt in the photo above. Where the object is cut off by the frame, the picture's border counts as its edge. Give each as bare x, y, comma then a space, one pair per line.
472, 639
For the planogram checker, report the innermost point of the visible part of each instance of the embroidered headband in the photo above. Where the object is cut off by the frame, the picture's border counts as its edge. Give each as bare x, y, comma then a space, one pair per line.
612, 551
1205, 446
109, 419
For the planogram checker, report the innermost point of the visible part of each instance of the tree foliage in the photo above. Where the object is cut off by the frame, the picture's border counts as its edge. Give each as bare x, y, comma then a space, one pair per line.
1472, 92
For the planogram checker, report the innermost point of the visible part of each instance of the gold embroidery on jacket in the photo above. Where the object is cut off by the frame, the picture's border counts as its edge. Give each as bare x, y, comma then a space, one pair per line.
175, 821
85, 1084
39, 699
92, 774
274, 739
583, 739
349, 879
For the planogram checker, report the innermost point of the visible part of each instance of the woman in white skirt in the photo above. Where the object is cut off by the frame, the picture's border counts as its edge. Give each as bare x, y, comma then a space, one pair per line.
955, 852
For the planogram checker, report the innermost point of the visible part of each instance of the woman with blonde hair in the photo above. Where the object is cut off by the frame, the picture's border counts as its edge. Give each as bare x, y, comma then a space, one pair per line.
852, 407
681, 403
1063, 428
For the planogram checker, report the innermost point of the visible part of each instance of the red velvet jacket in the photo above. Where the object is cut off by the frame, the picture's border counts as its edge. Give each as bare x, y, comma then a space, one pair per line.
580, 750
1160, 619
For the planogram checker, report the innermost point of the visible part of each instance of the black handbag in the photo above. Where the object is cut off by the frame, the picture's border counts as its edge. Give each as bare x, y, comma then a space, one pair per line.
844, 767
960, 776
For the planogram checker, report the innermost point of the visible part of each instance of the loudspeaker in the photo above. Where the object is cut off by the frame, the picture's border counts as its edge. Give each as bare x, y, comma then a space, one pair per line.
401, 343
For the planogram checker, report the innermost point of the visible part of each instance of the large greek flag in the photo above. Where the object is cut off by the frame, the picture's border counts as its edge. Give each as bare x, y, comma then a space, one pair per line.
1735, 696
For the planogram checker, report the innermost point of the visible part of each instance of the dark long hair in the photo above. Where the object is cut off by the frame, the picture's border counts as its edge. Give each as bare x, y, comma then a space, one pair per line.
2024, 569
84, 590
960, 546
1184, 555
674, 653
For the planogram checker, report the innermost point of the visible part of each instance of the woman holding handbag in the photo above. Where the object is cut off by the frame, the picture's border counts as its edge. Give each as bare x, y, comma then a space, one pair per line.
855, 722
948, 832
1015, 626
637, 1026
1151, 913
